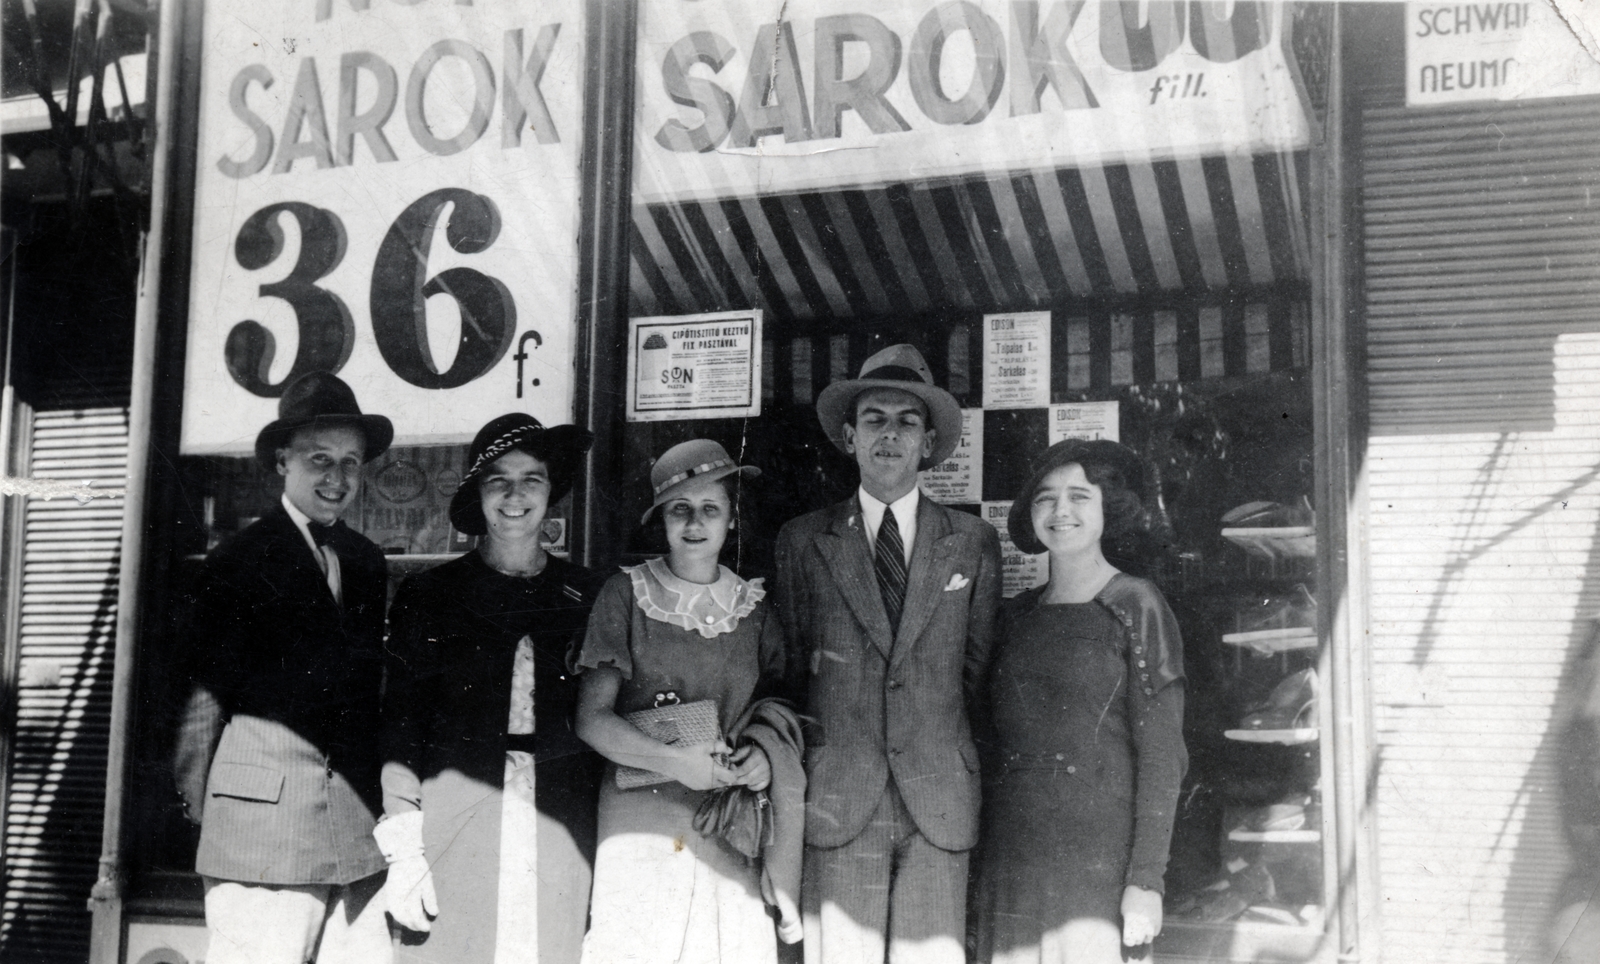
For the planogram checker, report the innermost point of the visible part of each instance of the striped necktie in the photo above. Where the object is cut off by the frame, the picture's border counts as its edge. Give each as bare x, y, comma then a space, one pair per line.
890, 563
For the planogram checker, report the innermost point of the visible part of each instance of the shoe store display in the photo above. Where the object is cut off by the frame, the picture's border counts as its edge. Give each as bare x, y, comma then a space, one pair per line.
1245, 884
1289, 712
1295, 819
1261, 816
1284, 815
1271, 530
1281, 914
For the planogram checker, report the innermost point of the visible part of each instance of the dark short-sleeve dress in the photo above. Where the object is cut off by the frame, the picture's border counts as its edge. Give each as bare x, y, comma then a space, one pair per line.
662, 891
480, 693
1083, 772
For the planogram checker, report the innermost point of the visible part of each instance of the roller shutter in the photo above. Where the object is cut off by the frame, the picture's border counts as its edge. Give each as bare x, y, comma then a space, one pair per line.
1481, 231
56, 787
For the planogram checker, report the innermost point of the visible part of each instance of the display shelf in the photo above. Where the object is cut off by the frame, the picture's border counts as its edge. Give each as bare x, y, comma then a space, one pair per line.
1298, 735
1276, 542
1270, 642
1275, 836
1282, 916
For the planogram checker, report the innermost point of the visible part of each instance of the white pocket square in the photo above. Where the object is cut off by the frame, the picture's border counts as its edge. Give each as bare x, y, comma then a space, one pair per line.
957, 581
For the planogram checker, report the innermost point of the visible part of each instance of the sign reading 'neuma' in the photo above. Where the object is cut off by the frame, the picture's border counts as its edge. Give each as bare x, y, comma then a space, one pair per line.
1458, 52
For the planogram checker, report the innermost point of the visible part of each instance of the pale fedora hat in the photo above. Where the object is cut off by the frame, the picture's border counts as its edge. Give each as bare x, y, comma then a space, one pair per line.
902, 368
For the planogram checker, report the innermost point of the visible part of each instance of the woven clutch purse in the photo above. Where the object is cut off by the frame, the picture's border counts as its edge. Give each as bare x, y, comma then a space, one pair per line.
678, 724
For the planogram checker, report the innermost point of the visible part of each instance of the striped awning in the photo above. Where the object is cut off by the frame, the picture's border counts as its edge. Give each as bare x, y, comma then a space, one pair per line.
1008, 241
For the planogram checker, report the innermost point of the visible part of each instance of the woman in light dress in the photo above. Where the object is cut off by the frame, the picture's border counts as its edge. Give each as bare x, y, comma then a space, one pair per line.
677, 631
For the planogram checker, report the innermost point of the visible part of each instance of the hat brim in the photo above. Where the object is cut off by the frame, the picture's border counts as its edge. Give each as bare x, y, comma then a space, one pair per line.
378, 431
564, 447
943, 410
748, 471
1019, 520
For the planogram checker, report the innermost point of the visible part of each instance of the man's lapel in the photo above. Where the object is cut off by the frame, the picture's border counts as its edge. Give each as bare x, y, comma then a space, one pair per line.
932, 559
846, 552
307, 575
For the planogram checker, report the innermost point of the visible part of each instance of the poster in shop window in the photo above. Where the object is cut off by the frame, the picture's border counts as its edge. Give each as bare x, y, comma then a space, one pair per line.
389, 192
1086, 420
694, 366
1016, 360
958, 480
1020, 571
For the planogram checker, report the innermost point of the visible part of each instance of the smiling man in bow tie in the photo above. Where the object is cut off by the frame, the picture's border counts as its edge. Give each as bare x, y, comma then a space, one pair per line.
889, 601
277, 756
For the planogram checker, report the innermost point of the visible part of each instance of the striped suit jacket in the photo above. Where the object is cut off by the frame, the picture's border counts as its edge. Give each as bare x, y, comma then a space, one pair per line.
278, 754
888, 703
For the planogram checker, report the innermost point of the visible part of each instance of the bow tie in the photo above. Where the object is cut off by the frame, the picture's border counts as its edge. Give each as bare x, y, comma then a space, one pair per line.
321, 534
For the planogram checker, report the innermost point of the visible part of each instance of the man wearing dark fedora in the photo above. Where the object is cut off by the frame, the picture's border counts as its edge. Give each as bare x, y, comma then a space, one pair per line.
889, 602
278, 756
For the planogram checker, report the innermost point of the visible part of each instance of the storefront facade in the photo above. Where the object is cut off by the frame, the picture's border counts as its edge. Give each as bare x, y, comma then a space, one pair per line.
1327, 312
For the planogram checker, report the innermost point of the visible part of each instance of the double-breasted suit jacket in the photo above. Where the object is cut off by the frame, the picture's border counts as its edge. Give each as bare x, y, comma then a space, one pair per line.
278, 754
889, 703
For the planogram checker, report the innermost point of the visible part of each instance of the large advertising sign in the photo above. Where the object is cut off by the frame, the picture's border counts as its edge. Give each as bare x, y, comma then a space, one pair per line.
740, 99
1458, 52
387, 191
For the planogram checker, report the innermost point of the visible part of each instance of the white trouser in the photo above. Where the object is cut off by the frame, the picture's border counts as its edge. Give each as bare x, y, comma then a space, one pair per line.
293, 924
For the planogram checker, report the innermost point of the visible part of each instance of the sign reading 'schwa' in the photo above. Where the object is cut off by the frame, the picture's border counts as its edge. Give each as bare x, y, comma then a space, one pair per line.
1458, 52
388, 191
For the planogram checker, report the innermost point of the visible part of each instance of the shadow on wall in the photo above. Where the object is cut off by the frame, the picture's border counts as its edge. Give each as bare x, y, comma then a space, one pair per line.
1488, 710
53, 823
1574, 932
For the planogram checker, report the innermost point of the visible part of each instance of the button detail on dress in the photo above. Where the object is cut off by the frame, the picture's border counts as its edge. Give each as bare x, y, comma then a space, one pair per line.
894, 684
1072, 769
711, 619
1061, 756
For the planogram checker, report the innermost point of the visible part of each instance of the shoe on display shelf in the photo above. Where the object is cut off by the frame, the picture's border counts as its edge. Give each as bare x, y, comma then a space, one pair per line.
1245, 884
1272, 530
1289, 714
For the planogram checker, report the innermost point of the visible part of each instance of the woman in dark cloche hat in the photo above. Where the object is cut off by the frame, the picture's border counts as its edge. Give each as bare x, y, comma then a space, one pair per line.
1086, 690
488, 796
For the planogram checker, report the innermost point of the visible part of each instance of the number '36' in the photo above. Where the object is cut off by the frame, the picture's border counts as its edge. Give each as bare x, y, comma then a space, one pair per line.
398, 299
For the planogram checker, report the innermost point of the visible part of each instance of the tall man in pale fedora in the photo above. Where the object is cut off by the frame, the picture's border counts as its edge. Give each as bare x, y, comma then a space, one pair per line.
278, 756
889, 603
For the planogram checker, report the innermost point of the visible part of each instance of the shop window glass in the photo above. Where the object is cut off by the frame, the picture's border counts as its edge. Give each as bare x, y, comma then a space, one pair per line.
1176, 282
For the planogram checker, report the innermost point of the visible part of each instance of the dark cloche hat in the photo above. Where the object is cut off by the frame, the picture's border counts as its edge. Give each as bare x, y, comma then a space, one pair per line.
560, 447
320, 398
902, 368
1019, 521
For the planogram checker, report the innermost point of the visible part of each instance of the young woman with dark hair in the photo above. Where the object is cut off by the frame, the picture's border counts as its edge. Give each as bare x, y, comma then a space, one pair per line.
1086, 733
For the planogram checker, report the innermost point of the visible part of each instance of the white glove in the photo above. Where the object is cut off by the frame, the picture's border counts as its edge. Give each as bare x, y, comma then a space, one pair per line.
790, 928
408, 891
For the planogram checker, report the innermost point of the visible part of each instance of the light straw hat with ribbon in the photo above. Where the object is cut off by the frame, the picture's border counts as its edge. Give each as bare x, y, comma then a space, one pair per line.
686, 462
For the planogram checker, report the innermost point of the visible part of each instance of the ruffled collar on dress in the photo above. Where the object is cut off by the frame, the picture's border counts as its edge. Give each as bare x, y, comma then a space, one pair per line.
709, 610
